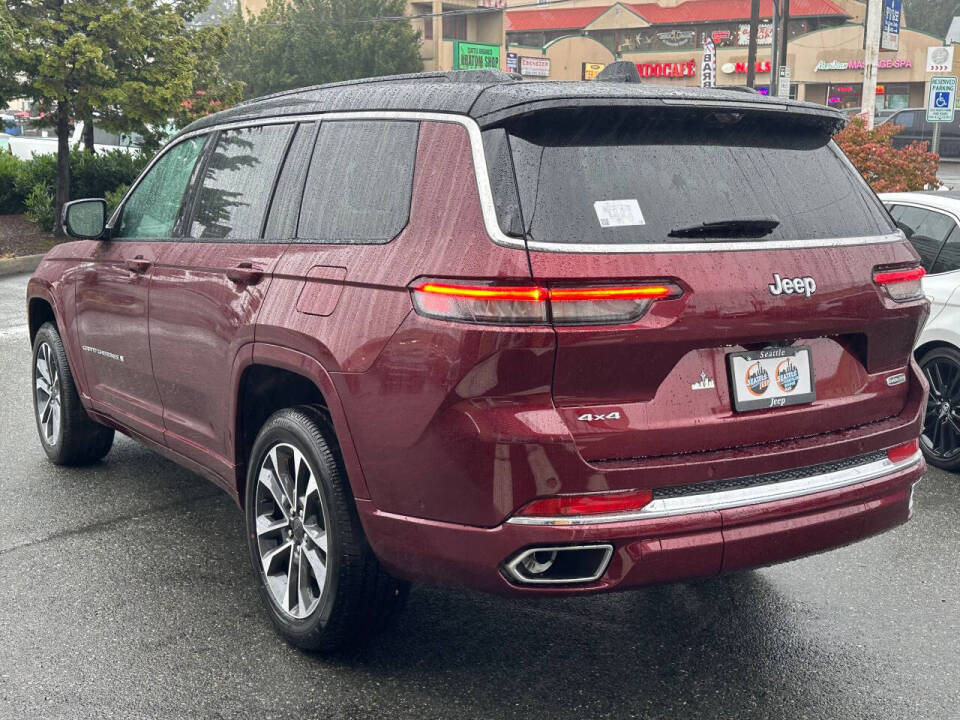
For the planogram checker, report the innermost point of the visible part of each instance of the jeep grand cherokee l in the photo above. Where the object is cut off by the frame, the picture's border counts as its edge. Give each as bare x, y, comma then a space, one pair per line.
528, 338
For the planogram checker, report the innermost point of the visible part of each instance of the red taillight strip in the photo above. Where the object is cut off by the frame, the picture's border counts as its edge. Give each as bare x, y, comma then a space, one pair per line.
534, 293
639, 292
898, 276
484, 292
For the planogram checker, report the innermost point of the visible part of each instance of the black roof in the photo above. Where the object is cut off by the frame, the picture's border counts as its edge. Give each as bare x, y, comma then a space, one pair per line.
490, 96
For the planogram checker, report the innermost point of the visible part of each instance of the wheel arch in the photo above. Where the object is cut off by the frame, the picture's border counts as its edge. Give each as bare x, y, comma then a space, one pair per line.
277, 377
929, 345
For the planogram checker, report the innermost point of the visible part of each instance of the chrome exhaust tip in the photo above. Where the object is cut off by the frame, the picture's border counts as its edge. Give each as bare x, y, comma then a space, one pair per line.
563, 564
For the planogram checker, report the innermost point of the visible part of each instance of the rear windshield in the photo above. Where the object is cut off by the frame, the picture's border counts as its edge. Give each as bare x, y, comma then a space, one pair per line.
614, 176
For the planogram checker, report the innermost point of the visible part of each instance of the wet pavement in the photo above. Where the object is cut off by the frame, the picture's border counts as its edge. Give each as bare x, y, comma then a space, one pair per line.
125, 591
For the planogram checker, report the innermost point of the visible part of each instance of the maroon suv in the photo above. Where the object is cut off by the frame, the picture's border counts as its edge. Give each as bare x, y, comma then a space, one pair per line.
528, 338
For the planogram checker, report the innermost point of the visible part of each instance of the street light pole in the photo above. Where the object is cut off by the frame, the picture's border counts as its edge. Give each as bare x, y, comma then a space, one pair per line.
752, 50
870, 57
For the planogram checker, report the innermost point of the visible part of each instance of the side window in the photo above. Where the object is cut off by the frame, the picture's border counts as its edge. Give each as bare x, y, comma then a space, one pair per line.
925, 229
904, 118
237, 183
360, 182
949, 258
154, 207
285, 208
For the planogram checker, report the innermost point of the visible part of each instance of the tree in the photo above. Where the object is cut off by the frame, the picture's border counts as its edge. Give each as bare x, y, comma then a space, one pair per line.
886, 168
309, 42
129, 62
932, 16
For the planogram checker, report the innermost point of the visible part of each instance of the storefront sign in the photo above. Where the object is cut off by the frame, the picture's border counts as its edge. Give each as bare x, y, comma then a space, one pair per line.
708, 68
720, 37
890, 36
882, 64
475, 56
591, 70
678, 38
669, 70
535, 66
495, 4
939, 59
512, 65
764, 34
942, 99
740, 68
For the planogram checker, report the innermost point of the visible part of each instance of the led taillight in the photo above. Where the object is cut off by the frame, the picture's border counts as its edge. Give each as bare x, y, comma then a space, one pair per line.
899, 453
902, 284
535, 305
592, 504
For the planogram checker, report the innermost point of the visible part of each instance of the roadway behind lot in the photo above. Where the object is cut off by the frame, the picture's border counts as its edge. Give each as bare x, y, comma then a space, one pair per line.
125, 591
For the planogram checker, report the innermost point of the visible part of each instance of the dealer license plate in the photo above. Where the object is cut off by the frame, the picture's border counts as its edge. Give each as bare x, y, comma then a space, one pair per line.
770, 378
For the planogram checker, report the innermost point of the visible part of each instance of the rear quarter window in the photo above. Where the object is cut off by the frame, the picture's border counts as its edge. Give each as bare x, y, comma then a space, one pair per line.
616, 177
360, 182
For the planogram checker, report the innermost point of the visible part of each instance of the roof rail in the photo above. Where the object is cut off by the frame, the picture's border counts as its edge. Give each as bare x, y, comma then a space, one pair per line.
482, 77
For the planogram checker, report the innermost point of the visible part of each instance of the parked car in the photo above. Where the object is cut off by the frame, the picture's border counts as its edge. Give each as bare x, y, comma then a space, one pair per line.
42, 140
880, 114
917, 129
526, 338
931, 221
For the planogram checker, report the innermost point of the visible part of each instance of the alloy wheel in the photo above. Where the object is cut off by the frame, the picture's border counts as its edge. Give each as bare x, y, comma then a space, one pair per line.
941, 423
47, 389
291, 527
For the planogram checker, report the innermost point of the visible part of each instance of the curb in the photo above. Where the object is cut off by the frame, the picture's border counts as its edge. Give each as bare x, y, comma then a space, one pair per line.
25, 264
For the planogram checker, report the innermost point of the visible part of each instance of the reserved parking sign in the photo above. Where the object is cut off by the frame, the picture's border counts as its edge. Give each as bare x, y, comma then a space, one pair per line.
942, 97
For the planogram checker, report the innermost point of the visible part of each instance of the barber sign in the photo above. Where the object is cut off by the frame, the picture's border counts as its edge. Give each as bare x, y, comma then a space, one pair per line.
708, 70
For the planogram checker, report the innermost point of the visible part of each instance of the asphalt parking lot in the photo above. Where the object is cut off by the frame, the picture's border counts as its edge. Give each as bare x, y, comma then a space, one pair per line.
125, 592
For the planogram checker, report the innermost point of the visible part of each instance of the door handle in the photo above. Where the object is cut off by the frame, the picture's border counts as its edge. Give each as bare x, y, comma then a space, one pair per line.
245, 274
138, 265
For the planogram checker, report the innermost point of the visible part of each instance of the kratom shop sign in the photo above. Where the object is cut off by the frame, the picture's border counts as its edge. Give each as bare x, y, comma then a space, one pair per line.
882, 64
475, 56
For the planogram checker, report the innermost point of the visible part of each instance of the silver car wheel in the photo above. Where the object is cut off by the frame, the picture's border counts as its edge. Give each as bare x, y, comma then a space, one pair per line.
47, 389
291, 531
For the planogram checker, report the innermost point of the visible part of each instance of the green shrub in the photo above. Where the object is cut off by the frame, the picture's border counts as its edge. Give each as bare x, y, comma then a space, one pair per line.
11, 201
114, 197
39, 207
94, 175
38, 170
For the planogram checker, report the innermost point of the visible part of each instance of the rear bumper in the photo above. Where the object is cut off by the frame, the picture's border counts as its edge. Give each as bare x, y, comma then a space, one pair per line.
659, 548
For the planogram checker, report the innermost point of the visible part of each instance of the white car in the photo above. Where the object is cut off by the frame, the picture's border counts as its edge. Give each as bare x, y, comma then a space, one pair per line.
931, 221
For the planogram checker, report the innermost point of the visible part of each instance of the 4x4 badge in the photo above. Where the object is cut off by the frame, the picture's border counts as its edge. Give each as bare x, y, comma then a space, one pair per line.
704, 384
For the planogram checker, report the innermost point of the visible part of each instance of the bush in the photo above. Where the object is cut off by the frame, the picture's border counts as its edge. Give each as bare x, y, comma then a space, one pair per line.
38, 170
94, 175
885, 168
39, 207
11, 201
114, 197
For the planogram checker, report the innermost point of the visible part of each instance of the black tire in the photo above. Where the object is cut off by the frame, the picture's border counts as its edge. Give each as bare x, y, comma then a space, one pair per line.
359, 599
78, 439
940, 438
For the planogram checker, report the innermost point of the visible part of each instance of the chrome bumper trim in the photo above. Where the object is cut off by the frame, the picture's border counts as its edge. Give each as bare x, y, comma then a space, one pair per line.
724, 499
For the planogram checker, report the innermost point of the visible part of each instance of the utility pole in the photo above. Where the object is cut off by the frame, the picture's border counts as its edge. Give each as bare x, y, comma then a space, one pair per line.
784, 38
774, 60
870, 57
752, 50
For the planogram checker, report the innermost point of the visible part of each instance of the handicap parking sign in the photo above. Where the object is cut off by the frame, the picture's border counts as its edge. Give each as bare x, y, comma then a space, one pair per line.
942, 98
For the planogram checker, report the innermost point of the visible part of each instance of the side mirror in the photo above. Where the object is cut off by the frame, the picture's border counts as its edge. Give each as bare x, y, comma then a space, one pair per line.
85, 219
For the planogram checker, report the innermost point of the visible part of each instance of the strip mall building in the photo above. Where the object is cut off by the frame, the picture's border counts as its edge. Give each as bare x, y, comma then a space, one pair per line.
665, 37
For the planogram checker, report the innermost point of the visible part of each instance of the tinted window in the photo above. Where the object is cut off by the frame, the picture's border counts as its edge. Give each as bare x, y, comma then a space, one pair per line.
237, 183
360, 182
925, 229
949, 258
612, 176
904, 118
282, 221
154, 207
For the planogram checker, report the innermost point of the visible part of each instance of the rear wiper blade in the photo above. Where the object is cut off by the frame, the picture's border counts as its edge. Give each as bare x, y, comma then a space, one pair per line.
754, 227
